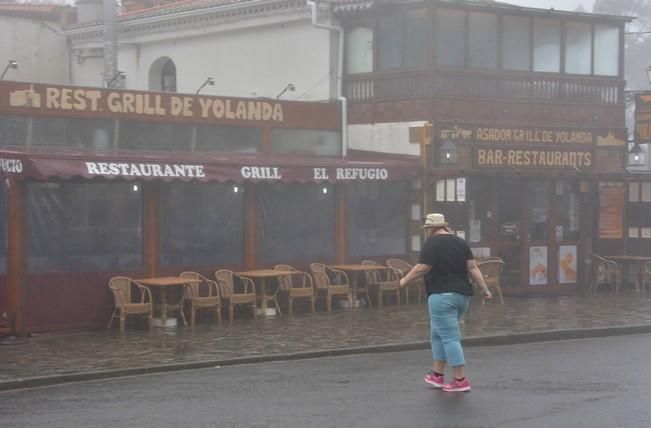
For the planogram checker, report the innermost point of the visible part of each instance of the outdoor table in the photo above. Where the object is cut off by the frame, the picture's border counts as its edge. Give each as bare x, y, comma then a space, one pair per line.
355, 269
632, 260
163, 283
265, 295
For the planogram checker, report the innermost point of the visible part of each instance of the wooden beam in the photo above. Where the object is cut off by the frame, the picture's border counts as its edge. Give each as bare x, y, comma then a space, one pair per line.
250, 225
151, 225
16, 255
341, 224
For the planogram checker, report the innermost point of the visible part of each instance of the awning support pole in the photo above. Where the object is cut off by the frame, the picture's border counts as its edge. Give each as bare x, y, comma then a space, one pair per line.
16, 256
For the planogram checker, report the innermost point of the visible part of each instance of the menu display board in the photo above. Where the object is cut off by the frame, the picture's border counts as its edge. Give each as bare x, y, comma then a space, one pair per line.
611, 212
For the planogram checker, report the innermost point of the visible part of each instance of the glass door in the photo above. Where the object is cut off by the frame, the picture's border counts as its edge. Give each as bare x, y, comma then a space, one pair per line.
508, 215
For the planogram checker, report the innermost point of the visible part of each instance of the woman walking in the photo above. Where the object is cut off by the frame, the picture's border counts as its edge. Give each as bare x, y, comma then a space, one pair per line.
445, 262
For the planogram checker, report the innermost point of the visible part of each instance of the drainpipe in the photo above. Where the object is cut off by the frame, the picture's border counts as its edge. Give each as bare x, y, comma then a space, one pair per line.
314, 8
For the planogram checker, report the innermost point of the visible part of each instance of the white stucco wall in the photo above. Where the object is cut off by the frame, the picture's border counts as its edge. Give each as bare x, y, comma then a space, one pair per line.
383, 138
257, 60
39, 49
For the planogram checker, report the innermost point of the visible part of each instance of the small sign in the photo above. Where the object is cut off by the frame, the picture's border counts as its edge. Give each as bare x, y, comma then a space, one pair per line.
509, 229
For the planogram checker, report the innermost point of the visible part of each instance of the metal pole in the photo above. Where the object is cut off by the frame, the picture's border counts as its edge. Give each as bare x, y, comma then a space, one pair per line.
110, 44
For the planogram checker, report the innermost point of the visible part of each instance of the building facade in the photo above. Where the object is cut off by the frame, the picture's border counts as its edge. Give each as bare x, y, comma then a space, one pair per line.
527, 113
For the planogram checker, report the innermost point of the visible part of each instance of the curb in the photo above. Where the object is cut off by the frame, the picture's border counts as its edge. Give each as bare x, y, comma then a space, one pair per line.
501, 340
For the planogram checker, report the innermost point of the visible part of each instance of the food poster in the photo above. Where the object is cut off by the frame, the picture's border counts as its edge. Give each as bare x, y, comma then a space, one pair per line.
538, 266
567, 264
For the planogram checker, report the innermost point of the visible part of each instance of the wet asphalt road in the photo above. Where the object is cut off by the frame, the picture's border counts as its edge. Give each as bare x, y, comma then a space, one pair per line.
584, 383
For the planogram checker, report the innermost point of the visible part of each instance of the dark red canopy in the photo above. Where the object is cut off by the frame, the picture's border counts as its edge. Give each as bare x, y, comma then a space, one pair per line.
50, 164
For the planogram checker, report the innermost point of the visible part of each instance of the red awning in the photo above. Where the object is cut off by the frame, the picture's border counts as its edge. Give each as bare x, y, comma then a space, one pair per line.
42, 165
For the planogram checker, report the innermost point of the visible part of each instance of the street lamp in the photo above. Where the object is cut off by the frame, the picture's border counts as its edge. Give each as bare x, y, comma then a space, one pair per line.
11, 64
290, 87
209, 81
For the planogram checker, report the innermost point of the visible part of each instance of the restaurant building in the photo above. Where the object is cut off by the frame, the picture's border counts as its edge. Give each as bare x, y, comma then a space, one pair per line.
105, 182
520, 120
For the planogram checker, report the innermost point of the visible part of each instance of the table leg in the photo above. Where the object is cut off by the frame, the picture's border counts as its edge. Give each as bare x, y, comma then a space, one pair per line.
163, 305
263, 288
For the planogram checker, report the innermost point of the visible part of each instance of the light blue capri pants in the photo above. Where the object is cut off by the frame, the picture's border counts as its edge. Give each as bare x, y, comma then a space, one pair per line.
445, 310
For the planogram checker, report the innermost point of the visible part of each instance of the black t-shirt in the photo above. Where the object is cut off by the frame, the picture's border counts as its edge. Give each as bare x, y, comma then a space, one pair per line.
448, 256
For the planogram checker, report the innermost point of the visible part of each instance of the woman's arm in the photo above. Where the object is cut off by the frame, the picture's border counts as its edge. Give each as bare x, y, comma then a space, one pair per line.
415, 273
478, 277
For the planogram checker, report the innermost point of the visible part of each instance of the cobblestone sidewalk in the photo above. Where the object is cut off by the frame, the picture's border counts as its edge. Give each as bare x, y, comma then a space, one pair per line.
48, 355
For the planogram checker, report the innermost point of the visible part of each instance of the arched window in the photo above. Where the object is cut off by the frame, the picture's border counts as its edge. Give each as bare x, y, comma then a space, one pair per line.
162, 75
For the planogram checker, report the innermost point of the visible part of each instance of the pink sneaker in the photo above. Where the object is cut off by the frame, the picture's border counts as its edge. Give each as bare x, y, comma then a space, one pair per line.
457, 386
434, 380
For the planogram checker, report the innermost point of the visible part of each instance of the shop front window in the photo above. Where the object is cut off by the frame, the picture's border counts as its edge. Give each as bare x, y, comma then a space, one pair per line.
84, 227
479, 205
508, 209
305, 142
538, 206
202, 224
567, 211
376, 219
296, 223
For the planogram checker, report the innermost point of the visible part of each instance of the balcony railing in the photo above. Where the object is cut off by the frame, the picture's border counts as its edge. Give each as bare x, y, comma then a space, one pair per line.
472, 84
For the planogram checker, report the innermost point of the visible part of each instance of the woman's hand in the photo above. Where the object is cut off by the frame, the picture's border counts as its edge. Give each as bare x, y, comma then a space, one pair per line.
486, 294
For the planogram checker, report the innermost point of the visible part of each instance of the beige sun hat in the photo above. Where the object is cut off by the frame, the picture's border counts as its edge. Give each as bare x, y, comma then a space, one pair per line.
434, 220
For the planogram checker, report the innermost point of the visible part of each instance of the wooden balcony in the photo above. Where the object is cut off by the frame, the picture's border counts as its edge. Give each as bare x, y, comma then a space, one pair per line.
502, 86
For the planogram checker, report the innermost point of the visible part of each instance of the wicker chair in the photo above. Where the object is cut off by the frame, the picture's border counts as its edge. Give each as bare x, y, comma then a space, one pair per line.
329, 289
646, 275
605, 271
124, 289
202, 295
298, 285
232, 292
385, 281
492, 269
402, 268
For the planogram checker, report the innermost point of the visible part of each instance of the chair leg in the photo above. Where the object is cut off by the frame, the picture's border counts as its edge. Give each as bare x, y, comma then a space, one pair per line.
407, 294
150, 320
185, 323
230, 312
312, 303
219, 313
123, 319
108, 327
329, 303
193, 317
350, 299
253, 308
379, 298
289, 306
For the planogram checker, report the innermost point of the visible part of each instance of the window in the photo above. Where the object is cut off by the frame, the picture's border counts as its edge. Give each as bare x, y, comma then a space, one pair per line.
567, 211
359, 50
578, 50
377, 213
93, 134
162, 75
538, 205
402, 39
547, 45
228, 139
296, 223
606, 52
210, 233
168, 77
13, 130
84, 227
516, 43
298, 141
155, 136
483, 40
450, 37
479, 205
